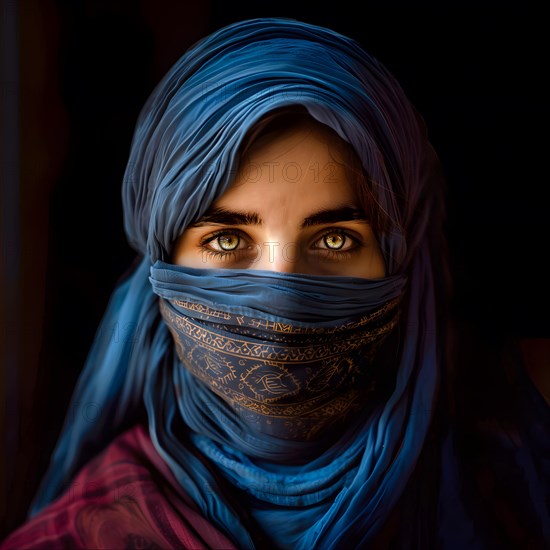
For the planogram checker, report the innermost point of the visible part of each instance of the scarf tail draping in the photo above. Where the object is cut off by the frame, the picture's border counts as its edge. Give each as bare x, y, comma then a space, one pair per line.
361, 510
108, 393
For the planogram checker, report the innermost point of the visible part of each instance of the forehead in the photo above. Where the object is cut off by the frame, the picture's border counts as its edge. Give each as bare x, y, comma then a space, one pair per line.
299, 136
292, 171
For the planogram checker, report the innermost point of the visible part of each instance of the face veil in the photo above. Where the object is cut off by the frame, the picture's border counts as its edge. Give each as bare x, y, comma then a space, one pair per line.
183, 156
284, 378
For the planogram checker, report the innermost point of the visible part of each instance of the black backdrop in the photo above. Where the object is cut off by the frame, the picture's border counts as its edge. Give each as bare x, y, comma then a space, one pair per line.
475, 72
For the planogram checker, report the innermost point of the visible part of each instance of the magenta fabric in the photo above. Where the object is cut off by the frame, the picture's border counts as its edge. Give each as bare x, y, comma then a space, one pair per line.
126, 497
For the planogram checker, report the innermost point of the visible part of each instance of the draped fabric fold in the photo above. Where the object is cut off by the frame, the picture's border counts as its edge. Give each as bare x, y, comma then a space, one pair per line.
277, 296
109, 391
184, 155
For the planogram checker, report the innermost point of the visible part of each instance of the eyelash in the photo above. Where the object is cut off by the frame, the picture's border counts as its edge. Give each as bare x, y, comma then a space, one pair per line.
327, 252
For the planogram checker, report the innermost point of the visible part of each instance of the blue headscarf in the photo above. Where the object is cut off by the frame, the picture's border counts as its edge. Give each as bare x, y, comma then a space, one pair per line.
183, 157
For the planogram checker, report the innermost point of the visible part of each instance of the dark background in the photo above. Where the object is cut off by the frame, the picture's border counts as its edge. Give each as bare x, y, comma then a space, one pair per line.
83, 70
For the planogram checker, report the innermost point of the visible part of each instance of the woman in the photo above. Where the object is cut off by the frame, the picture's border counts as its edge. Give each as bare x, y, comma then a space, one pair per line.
288, 380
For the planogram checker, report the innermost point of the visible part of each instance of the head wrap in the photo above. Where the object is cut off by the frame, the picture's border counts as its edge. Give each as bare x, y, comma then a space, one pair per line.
184, 155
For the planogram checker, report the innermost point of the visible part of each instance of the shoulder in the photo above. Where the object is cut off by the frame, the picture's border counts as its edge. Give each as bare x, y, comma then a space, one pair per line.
96, 500
535, 353
123, 498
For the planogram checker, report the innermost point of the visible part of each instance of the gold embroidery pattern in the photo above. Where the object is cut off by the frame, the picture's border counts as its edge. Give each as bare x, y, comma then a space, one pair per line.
331, 371
205, 310
298, 390
206, 313
272, 351
270, 382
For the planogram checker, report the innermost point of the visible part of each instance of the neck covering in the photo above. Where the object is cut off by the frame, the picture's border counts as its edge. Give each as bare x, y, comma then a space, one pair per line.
184, 155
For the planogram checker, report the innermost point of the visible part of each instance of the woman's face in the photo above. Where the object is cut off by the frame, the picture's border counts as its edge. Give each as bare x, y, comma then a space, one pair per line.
292, 209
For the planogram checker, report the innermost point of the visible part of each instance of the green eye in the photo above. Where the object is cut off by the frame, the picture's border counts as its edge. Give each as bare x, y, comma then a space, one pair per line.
228, 242
334, 241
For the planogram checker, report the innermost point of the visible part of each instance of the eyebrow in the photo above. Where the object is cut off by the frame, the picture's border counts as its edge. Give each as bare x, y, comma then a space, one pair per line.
222, 216
335, 215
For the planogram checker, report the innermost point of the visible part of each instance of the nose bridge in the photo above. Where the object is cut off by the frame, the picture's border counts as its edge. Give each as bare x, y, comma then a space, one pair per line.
277, 256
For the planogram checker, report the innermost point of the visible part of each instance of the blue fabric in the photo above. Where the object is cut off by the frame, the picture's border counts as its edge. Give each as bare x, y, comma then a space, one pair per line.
279, 297
184, 155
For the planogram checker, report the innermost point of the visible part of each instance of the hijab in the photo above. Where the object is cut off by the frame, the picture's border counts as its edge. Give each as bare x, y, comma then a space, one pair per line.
184, 155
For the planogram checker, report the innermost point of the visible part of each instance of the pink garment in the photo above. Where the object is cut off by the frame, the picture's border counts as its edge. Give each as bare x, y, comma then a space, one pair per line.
126, 497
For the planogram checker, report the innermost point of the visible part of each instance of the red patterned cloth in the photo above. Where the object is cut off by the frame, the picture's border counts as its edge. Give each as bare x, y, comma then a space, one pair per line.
124, 498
